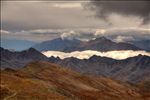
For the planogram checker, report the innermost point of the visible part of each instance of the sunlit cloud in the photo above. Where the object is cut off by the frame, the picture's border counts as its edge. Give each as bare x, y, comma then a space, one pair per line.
68, 5
4, 32
100, 31
70, 35
122, 54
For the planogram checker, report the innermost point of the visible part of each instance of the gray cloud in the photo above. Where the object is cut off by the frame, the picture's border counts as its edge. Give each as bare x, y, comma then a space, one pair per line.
25, 15
125, 34
117, 34
31, 15
31, 35
45, 20
82, 34
103, 8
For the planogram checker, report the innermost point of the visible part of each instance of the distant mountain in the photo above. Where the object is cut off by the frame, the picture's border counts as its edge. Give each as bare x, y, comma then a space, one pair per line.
19, 59
144, 44
46, 81
99, 44
132, 69
102, 44
56, 44
16, 45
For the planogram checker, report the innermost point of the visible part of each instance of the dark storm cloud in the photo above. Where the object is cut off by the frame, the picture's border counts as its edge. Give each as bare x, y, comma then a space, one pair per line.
103, 8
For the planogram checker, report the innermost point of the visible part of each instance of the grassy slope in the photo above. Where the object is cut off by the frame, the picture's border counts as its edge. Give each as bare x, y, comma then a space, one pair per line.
46, 81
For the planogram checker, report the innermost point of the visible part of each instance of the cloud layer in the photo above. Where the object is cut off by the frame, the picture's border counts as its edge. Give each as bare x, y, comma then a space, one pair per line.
115, 34
103, 8
123, 54
31, 15
46, 20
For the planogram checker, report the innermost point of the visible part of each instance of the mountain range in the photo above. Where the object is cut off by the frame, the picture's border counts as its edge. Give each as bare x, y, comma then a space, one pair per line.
99, 44
133, 69
56, 44
30, 75
69, 45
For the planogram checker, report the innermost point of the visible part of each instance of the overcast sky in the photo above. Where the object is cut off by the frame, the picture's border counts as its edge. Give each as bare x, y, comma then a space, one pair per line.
43, 20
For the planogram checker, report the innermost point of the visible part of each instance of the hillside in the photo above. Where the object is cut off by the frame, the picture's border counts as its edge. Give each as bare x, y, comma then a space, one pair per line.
42, 80
133, 69
10, 59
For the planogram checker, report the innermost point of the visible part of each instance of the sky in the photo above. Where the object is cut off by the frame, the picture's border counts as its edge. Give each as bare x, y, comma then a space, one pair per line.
45, 20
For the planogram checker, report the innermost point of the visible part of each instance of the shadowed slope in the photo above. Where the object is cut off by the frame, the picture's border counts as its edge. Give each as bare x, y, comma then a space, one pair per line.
133, 69
99, 44
9, 59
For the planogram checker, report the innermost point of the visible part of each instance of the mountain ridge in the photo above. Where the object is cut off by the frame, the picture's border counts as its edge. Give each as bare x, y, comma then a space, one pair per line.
133, 69
99, 44
57, 44
20, 59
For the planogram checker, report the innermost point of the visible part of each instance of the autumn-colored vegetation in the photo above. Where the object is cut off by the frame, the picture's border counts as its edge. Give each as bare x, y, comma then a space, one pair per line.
46, 81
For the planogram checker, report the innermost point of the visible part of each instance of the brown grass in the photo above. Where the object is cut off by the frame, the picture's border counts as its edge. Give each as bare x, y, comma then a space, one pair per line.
46, 81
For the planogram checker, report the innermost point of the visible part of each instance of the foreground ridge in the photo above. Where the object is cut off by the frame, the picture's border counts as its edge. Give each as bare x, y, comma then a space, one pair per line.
43, 80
